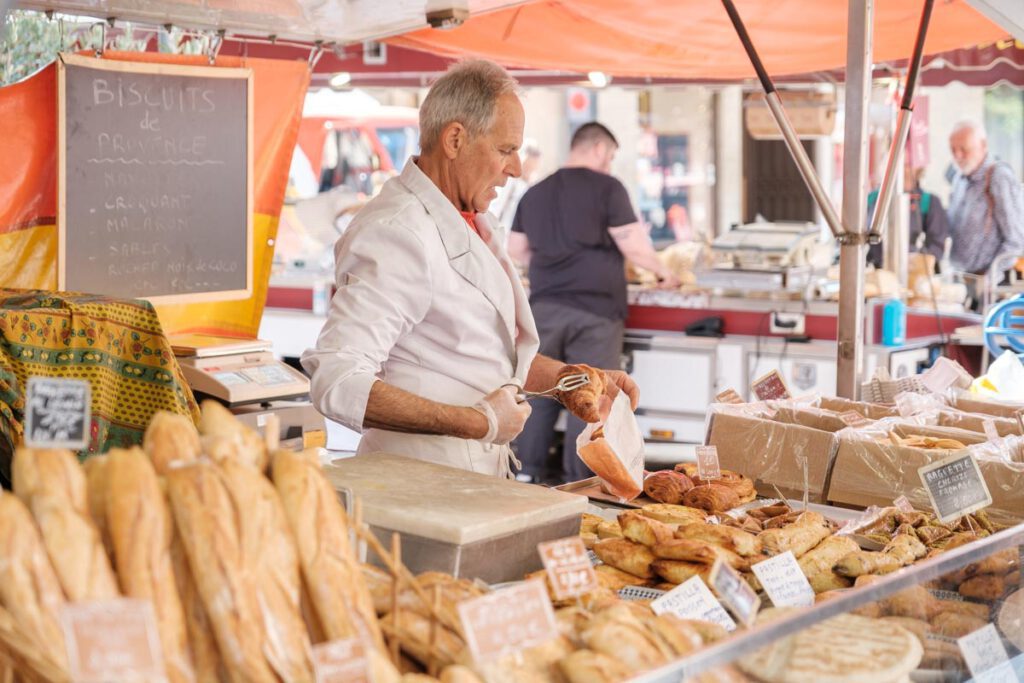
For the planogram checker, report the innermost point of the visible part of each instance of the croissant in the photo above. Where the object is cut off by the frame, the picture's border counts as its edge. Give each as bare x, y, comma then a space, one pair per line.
743, 486
643, 530
667, 486
585, 402
713, 498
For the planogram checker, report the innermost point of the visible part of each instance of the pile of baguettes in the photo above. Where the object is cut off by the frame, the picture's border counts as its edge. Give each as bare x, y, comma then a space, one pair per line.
243, 552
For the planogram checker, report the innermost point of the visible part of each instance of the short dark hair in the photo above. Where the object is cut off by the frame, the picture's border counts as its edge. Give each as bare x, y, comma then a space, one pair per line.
592, 133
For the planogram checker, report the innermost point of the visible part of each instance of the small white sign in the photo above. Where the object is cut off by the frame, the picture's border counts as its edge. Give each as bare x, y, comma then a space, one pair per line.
693, 600
112, 640
508, 620
707, 463
341, 661
784, 581
939, 377
569, 570
986, 657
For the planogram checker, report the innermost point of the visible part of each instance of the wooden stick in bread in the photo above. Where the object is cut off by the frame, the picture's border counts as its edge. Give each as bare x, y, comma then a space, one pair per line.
141, 530
29, 589
338, 592
52, 485
211, 526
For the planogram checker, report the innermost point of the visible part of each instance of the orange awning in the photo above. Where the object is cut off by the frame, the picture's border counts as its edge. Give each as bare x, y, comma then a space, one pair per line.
694, 38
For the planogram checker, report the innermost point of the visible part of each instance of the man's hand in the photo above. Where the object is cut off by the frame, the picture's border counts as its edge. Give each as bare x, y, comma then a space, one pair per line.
617, 380
505, 417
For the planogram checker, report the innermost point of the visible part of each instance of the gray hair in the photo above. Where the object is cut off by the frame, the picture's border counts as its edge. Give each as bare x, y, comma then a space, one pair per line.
467, 93
971, 125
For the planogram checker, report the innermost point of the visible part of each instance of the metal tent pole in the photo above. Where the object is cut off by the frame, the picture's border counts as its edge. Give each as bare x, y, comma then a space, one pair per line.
852, 249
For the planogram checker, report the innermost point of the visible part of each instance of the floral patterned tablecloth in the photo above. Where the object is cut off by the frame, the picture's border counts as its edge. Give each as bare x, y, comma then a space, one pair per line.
115, 344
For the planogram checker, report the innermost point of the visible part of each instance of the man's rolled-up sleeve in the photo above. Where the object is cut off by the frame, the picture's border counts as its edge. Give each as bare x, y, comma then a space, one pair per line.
383, 291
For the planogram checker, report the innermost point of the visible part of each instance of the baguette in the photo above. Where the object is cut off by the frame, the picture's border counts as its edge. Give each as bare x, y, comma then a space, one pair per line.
96, 492
224, 437
214, 535
413, 635
170, 438
205, 656
141, 529
338, 592
29, 589
52, 485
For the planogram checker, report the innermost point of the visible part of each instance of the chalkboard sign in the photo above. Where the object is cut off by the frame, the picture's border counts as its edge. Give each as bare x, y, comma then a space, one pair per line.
155, 182
57, 412
955, 486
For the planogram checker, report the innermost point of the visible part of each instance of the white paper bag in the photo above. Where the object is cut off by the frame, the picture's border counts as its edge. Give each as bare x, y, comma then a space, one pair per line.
617, 454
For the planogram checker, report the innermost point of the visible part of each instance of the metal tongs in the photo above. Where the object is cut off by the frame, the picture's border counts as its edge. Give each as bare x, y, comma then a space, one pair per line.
567, 383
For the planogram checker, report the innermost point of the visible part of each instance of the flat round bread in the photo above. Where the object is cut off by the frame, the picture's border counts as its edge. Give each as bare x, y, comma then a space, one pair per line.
844, 649
1011, 619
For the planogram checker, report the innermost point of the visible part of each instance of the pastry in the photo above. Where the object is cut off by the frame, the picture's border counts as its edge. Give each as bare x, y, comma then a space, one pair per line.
973, 609
141, 530
340, 597
673, 514
413, 634
770, 511
712, 498
678, 571
743, 486
585, 402
912, 602
667, 486
589, 523
589, 540
616, 579
691, 550
817, 563
988, 587
644, 530
170, 437
954, 625
743, 543
918, 627
609, 529
52, 484
807, 531
906, 548
626, 555
29, 589
863, 562
587, 666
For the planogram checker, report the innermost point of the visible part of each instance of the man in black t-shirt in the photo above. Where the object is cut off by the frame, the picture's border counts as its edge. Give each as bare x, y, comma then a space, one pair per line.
575, 229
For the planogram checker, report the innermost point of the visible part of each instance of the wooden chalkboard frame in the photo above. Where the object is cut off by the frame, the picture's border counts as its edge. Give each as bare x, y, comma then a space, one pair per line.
64, 59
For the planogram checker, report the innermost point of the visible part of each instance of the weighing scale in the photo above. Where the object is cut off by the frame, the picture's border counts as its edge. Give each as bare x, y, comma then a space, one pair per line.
236, 371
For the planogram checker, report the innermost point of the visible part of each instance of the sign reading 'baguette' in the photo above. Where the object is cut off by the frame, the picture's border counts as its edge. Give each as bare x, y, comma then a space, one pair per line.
955, 486
508, 620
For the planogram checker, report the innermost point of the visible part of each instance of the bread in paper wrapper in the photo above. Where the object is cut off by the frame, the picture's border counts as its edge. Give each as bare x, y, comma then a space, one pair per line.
616, 455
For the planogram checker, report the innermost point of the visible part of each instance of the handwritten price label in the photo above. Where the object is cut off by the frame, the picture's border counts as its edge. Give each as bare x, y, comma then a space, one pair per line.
729, 396
770, 387
707, 463
112, 640
784, 581
986, 657
56, 413
568, 567
692, 599
508, 620
852, 418
341, 661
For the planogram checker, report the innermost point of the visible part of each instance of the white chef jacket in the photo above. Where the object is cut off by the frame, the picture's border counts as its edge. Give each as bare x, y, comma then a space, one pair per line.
426, 305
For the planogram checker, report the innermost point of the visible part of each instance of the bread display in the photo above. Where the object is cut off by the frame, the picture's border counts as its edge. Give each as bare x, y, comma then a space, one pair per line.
644, 530
319, 525
804, 533
141, 530
632, 558
817, 563
584, 402
667, 486
741, 485
712, 498
53, 486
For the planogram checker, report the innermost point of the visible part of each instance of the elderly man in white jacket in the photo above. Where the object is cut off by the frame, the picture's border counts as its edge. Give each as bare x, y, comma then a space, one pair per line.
429, 334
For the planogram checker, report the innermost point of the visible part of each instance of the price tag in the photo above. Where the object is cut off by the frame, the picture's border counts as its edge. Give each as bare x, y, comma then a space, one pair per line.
112, 640
57, 413
955, 486
991, 431
341, 661
692, 599
851, 418
903, 504
784, 581
568, 566
508, 620
735, 592
939, 377
707, 463
986, 657
770, 387
729, 396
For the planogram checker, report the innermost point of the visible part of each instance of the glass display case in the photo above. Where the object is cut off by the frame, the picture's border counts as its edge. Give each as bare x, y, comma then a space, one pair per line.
952, 617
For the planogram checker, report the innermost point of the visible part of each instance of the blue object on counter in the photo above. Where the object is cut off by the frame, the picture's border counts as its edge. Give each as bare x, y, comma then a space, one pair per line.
894, 323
